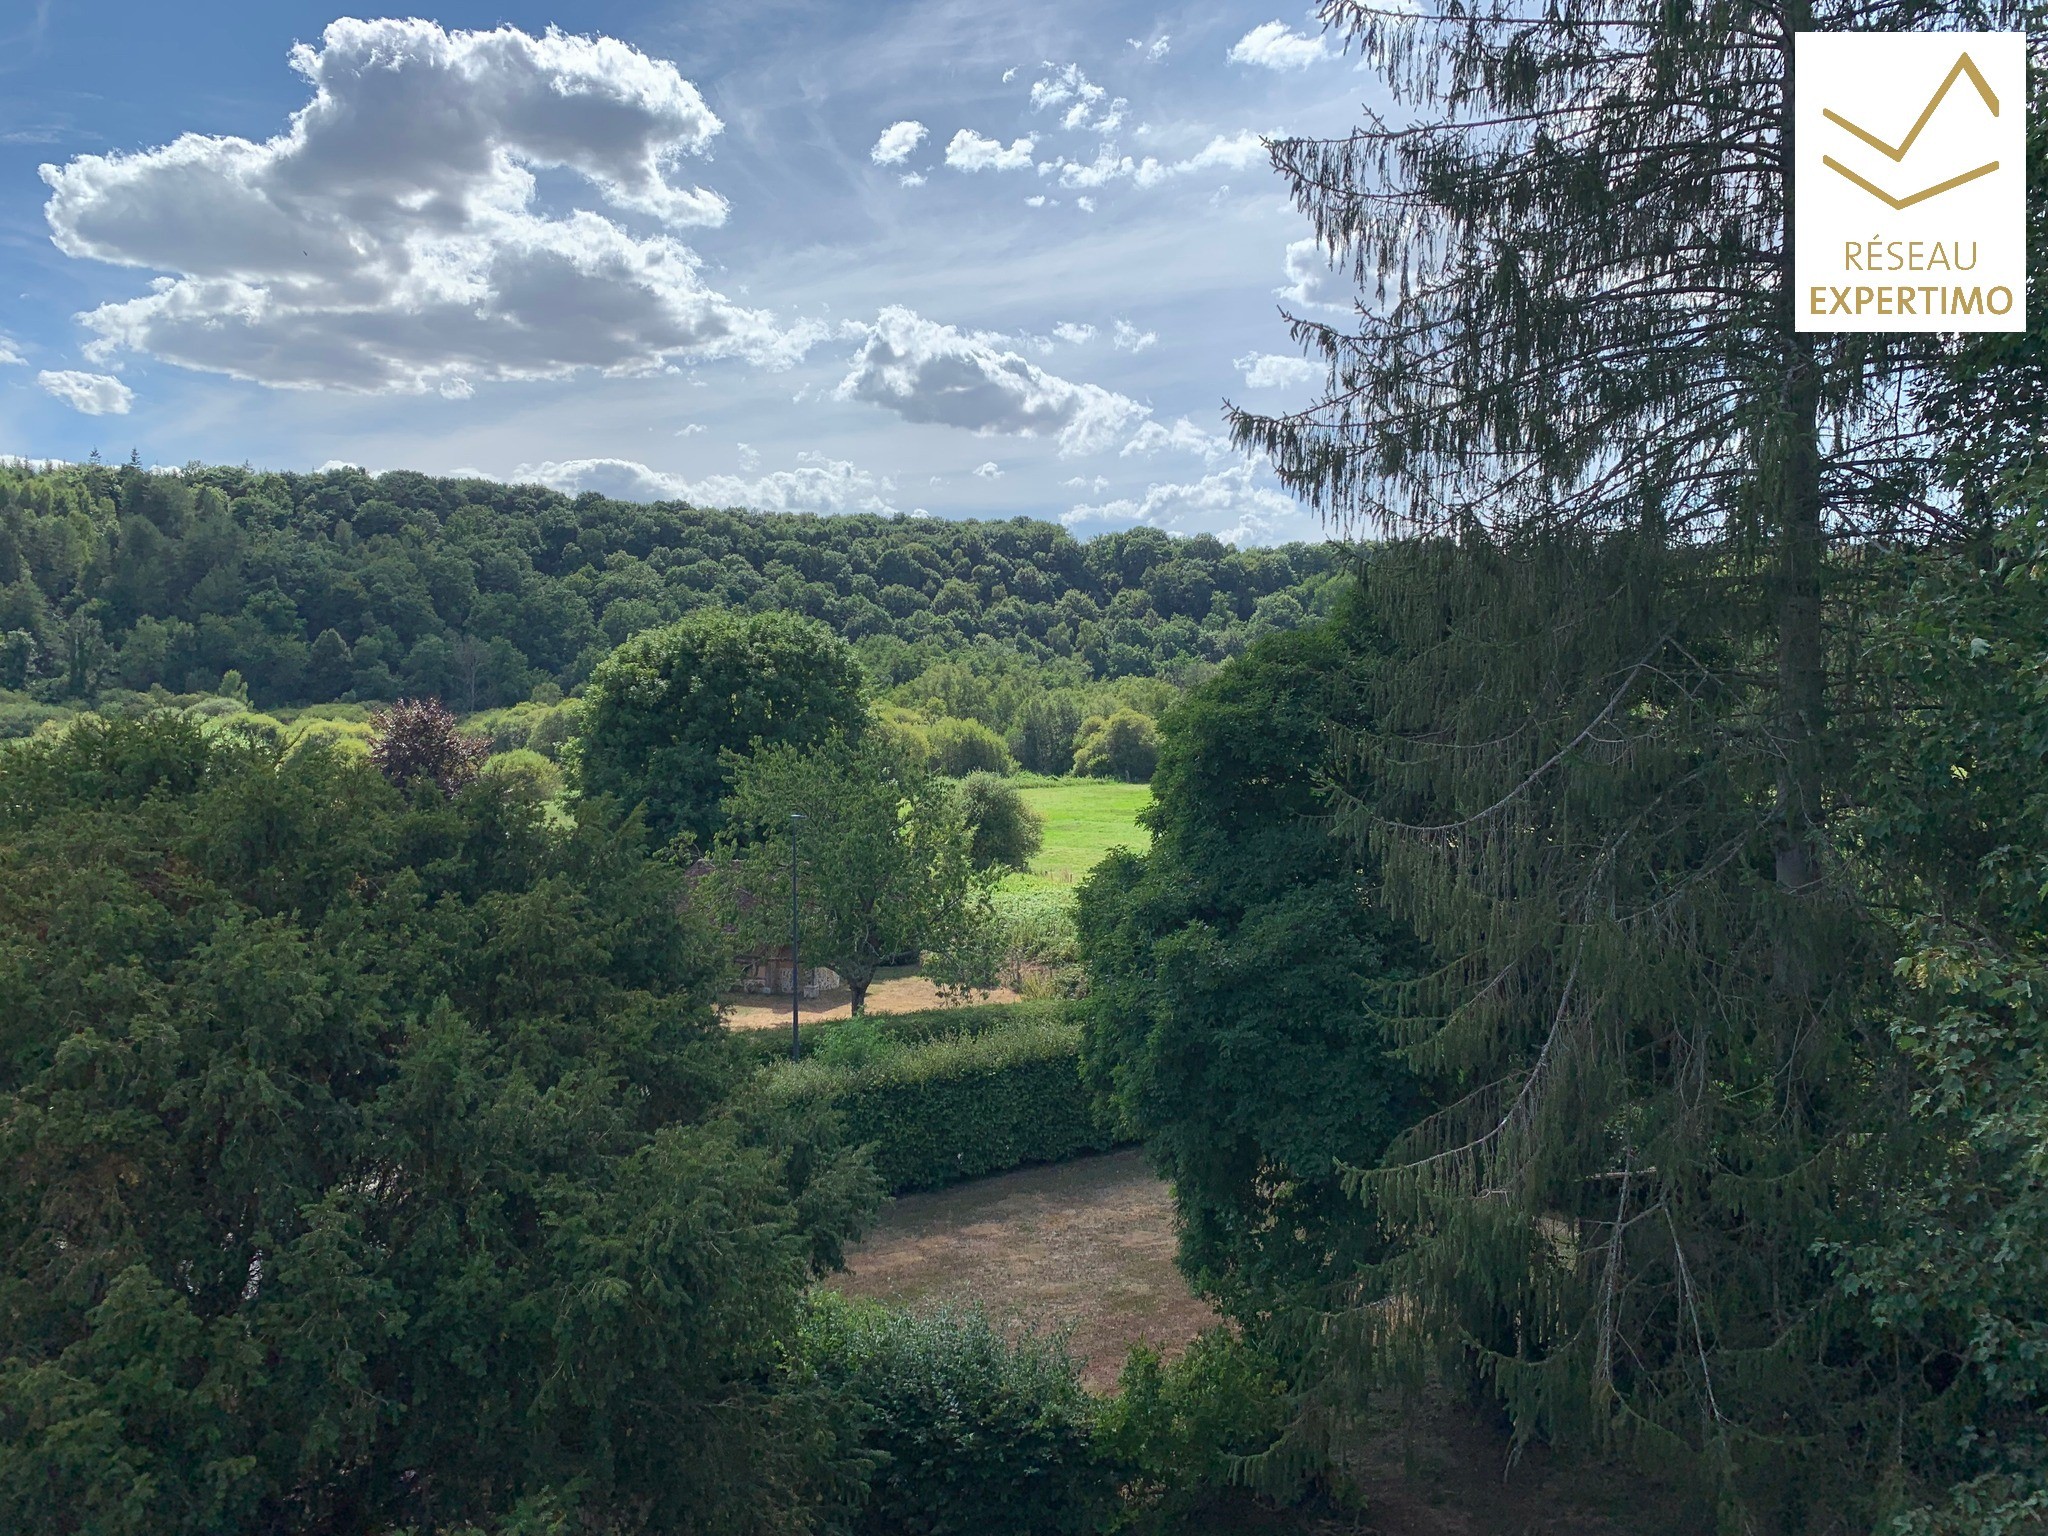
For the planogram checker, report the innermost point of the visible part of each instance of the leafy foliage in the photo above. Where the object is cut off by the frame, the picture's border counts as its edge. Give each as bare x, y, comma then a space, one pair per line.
1235, 977
1006, 831
1948, 835
375, 1164
417, 740
920, 1027
881, 857
342, 585
1184, 1426
973, 1430
961, 747
1123, 745
960, 1107
671, 711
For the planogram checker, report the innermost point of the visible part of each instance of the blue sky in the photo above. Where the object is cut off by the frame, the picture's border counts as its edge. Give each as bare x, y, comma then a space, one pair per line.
967, 259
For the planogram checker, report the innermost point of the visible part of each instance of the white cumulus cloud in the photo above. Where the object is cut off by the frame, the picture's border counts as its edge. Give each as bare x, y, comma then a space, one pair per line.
989, 471
969, 151
1308, 268
1182, 437
1275, 45
897, 141
928, 372
1073, 332
816, 484
1270, 370
1086, 105
1128, 338
1228, 152
1231, 152
1228, 503
387, 240
10, 355
96, 394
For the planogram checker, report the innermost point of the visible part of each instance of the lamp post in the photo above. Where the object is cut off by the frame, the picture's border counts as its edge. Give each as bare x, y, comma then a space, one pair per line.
796, 983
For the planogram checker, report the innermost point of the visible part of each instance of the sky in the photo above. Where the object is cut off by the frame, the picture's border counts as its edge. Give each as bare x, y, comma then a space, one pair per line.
941, 257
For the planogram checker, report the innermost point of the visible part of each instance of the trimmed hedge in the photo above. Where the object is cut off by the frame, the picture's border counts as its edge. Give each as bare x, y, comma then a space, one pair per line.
965, 1105
919, 1028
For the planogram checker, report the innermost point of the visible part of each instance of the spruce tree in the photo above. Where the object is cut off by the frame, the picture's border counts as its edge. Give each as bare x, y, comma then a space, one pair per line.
1615, 724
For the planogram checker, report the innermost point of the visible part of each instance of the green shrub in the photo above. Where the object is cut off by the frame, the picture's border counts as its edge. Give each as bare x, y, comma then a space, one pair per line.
857, 1043
1124, 746
533, 725
970, 1431
961, 747
533, 774
1037, 929
770, 1046
961, 1107
349, 737
1006, 830
19, 716
1179, 1429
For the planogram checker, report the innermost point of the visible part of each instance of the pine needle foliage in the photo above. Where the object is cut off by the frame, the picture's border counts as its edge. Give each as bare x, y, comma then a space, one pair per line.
1614, 723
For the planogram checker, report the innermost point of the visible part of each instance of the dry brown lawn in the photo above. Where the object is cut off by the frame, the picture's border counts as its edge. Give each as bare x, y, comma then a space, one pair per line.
1087, 1246
892, 992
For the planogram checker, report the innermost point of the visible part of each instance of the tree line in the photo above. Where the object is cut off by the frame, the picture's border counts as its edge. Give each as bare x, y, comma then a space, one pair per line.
342, 585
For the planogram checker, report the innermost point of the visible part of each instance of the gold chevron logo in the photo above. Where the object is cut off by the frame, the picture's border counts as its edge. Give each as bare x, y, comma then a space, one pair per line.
1965, 67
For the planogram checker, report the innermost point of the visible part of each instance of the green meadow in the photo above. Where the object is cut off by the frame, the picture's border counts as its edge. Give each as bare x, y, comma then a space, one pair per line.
1084, 819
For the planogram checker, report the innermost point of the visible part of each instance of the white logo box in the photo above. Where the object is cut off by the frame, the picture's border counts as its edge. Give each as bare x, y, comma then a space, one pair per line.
1906, 118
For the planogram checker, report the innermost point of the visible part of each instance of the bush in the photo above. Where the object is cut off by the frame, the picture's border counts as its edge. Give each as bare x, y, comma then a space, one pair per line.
960, 1107
439, 1200
857, 1043
21, 716
1124, 746
348, 737
416, 739
961, 747
539, 727
525, 769
1181, 1428
970, 1431
770, 1046
1006, 830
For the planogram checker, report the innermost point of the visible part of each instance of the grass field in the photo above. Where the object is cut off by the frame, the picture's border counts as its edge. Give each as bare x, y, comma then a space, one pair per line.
1084, 819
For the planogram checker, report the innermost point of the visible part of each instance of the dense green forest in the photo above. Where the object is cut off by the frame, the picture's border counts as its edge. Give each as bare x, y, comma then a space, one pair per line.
347, 586
1589, 962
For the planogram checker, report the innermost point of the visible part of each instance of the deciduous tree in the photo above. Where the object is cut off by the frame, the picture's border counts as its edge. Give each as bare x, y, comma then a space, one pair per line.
883, 860
670, 712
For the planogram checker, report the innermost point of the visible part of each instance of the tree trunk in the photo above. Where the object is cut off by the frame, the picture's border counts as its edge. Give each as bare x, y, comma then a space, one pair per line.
1802, 655
1792, 479
859, 989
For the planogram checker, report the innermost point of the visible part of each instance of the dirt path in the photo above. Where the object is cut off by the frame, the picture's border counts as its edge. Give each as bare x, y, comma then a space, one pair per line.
889, 994
1086, 1244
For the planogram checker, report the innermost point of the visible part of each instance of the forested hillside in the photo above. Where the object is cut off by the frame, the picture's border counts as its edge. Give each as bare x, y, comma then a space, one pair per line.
347, 586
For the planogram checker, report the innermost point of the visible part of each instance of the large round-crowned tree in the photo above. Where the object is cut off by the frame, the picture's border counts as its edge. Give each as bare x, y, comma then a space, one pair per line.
665, 706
